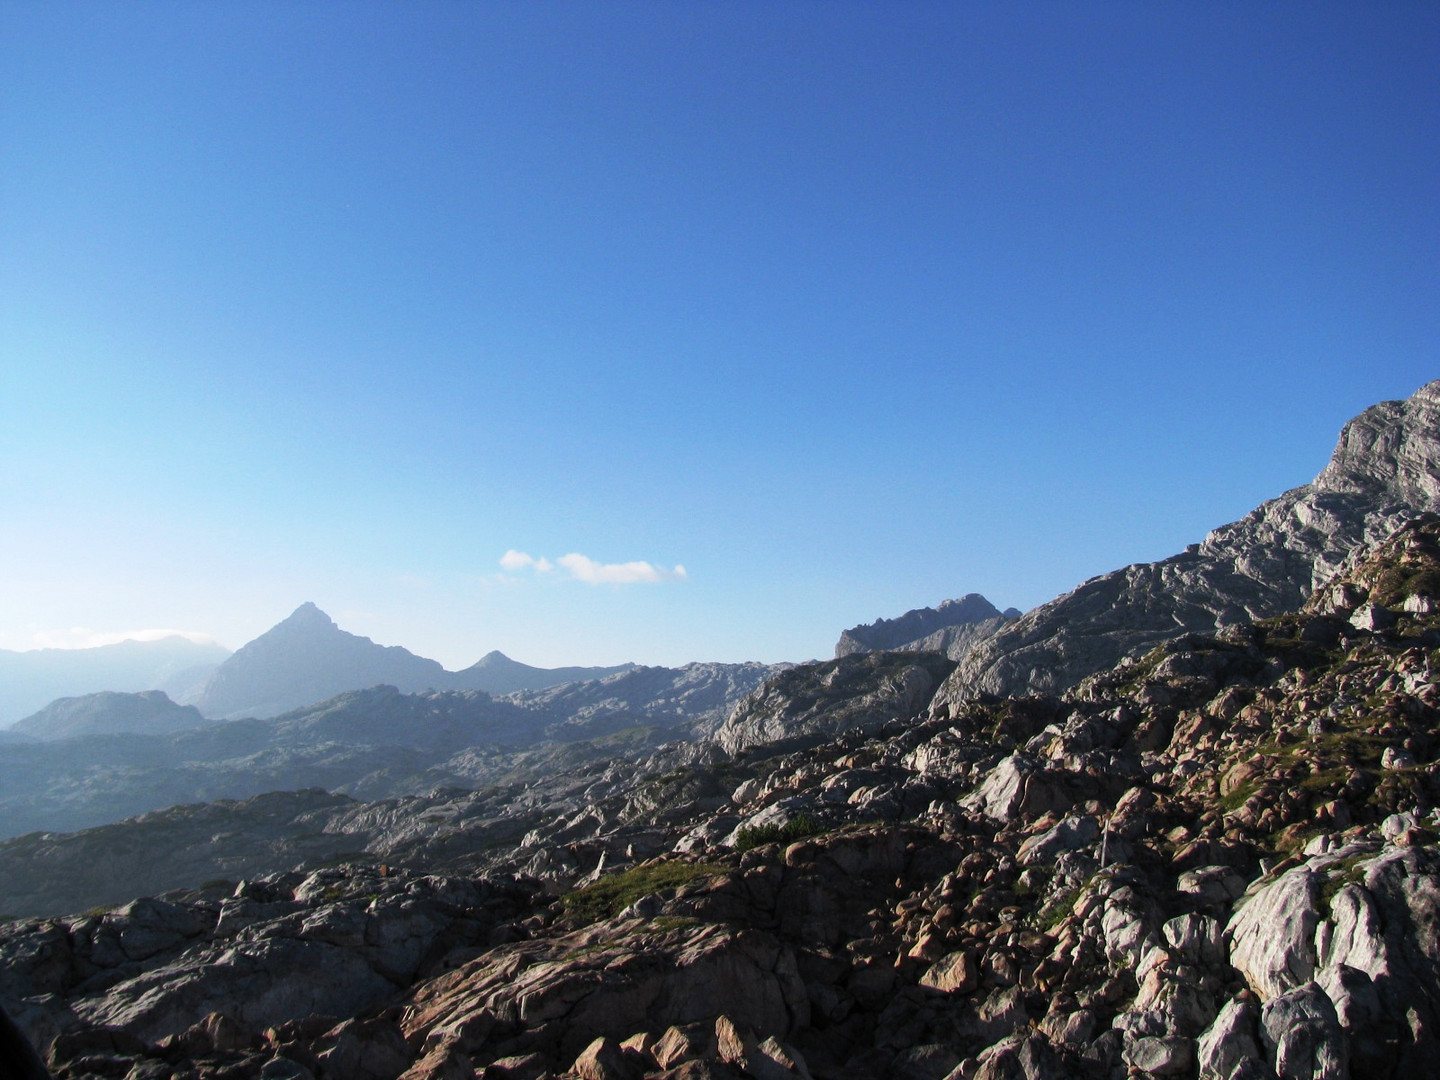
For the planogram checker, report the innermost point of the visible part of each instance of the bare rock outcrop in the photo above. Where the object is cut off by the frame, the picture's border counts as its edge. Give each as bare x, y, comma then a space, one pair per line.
814, 701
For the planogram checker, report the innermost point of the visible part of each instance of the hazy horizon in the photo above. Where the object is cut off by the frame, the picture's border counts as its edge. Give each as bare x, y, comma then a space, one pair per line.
655, 333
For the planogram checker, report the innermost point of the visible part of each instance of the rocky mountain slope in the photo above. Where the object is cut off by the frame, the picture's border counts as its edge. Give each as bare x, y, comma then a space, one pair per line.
815, 702
963, 623
1385, 468
1218, 860
31, 680
693, 699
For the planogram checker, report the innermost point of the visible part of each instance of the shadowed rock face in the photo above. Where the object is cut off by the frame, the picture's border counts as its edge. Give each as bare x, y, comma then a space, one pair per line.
1385, 468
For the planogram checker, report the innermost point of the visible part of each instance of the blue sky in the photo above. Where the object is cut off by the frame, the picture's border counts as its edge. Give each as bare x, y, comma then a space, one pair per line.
838, 308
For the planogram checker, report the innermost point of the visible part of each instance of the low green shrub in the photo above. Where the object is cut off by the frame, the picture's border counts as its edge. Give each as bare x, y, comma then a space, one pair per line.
614, 893
797, 828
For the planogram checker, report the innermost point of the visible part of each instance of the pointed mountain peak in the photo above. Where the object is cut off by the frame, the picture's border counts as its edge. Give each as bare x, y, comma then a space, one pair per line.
307, 614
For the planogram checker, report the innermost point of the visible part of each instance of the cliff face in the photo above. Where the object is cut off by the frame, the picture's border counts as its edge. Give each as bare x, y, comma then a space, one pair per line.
1385, 468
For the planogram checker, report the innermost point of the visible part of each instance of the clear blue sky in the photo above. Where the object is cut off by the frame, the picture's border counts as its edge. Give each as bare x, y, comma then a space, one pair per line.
844, 308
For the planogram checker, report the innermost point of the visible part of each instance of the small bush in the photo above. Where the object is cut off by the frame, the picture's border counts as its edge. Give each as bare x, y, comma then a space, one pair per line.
613, 894
796, 828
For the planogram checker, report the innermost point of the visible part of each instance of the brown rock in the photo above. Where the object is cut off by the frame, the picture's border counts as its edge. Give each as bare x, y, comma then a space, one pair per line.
956, 973
929, 948
605, 1059
642, 1043
678, 1044
363, 1050
517, 1067
444, 1062
733, 1043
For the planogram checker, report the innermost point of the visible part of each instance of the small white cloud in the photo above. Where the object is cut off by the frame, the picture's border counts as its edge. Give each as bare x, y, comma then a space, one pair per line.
630, 573
586, 569
82, 637
515, 561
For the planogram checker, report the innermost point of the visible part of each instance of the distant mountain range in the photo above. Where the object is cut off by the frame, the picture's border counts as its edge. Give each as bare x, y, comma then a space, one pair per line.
31, 680
302, 660
150, 712
307, 658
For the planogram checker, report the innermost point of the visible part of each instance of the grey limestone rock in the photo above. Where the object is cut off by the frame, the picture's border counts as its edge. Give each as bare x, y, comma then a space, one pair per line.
1385, 468
258, 983
1230, 1041
818, 701
1302, 1034
1273, 936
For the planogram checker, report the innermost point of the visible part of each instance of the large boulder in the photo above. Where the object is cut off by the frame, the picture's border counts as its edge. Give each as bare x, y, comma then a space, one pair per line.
610, 982
1303, 1037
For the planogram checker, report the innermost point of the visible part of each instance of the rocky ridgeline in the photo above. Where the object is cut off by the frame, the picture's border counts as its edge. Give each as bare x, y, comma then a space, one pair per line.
1217, 861
1385, 469
952, 628
472, 808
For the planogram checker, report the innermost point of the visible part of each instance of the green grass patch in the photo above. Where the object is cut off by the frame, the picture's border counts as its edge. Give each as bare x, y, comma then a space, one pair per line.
1397, 583
1346, 872
1238, 797
1327, 780
796, 828
614, 893
662, 923
1055, 912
